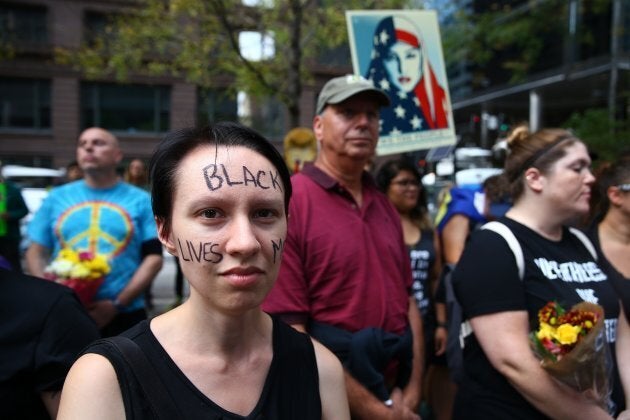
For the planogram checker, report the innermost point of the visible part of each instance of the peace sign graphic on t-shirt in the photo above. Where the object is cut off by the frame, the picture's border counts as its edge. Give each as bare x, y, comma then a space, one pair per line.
97, 226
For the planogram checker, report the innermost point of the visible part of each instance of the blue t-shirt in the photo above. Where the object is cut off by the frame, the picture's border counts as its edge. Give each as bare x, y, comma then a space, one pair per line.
111, 221
467, 201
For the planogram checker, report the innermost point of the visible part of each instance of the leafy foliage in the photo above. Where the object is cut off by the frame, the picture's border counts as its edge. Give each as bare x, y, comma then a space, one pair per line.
198, 41
602, 135
7, 51
511, 37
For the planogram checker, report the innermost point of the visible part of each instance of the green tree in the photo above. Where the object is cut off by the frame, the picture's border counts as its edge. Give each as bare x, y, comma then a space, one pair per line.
602, 135
198, 41
505, 42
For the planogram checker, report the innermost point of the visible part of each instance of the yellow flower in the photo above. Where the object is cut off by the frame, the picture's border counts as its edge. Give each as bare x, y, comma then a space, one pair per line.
546, 331
567, 333
68, 254
98, 266
69, 264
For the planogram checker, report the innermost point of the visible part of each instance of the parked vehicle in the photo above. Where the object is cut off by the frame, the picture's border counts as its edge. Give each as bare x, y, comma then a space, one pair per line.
35, 183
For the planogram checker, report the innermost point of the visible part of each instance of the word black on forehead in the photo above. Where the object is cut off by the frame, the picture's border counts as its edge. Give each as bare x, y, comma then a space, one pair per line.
217, 175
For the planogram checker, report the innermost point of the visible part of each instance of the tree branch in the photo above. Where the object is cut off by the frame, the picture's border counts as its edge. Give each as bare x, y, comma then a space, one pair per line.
221, 13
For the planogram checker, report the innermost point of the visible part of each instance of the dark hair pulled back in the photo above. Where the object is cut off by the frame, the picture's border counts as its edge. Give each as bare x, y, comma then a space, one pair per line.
540, 150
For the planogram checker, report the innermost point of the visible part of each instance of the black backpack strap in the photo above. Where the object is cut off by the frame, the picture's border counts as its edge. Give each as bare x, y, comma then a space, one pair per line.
458, 327
454, 352
160, 400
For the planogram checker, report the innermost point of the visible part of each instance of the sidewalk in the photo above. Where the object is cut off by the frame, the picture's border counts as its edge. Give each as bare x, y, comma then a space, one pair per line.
163, 288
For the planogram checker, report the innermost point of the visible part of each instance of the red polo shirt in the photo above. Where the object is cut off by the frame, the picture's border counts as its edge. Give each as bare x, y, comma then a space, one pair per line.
342, 265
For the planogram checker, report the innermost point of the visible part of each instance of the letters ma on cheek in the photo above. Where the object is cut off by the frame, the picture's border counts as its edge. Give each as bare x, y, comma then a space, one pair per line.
278, 247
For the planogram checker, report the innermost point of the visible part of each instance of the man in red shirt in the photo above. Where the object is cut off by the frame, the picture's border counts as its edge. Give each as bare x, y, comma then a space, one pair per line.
345, 276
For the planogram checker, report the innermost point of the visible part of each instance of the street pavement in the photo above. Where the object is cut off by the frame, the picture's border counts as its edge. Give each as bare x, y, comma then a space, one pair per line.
163, 288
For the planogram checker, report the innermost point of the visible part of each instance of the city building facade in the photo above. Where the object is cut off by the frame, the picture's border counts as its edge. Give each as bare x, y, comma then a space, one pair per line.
45, 105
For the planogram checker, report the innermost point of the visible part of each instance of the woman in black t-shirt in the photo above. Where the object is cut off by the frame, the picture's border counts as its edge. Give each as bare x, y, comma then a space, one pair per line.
220, 196
550, 182
401, 182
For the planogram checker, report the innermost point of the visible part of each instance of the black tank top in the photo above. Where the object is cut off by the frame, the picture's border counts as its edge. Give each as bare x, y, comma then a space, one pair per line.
619, 282
422, 256
291, 389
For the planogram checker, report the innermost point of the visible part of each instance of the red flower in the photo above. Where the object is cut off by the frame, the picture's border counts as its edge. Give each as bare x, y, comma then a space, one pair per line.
86, 255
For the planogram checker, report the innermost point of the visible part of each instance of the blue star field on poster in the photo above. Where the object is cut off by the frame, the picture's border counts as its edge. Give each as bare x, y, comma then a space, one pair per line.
400, 52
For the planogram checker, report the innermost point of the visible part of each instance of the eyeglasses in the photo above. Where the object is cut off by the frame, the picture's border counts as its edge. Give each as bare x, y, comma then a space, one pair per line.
406, 183
624, 187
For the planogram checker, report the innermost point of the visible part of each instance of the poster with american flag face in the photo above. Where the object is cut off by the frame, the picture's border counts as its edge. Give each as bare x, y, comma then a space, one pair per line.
400, 51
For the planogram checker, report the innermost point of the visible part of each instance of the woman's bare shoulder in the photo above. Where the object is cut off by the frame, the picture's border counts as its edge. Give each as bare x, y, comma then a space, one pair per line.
332, 386
91, 390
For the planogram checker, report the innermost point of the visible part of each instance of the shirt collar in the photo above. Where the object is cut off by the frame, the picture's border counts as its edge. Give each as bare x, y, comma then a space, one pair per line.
327, 182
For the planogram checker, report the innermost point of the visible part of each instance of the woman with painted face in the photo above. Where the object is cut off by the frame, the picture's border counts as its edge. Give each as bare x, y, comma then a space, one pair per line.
550, 182
400, 67
220, 197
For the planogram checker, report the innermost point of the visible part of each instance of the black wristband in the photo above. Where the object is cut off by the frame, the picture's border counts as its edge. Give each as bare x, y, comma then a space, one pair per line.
442, 325
119, 306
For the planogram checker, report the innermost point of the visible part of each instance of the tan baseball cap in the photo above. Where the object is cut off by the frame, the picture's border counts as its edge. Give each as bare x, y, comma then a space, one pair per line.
341, 88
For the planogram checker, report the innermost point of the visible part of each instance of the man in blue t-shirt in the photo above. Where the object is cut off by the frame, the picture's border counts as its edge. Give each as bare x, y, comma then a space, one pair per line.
102, 215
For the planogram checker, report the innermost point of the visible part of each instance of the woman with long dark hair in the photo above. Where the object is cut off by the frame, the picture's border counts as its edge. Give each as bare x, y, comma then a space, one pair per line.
610, 232
400, 180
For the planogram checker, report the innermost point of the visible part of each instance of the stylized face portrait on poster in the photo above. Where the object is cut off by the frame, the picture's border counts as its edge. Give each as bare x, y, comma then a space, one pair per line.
401, 53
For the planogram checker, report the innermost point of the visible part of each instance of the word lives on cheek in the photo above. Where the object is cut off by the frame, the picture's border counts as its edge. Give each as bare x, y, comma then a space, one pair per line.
217, 176
201, 251
278, 247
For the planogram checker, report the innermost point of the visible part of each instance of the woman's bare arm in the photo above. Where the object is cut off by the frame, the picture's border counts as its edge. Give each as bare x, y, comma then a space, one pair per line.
332, 388
91, 391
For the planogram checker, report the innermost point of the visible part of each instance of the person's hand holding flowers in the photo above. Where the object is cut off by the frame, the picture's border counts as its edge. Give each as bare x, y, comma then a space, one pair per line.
82, 271
571, 346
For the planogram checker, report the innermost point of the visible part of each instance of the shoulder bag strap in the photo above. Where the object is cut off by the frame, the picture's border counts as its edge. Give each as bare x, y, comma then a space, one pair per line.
587, 242
512, 242
161, 401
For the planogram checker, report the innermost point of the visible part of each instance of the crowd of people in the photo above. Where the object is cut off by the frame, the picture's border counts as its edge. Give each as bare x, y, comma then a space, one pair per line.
318, 294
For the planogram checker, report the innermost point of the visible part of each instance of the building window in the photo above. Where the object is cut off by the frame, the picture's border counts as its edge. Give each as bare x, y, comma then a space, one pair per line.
128, 108
24, 103
98, 26
23, 23
94, 25
216, 105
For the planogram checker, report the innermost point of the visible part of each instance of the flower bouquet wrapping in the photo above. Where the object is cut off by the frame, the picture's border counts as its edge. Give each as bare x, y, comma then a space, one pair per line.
84, 272
571, 346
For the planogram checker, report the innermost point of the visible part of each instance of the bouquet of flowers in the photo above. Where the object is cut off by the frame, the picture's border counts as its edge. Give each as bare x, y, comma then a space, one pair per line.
83, 271
572, 348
